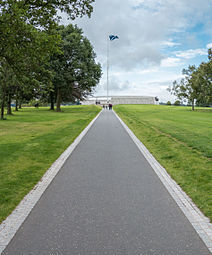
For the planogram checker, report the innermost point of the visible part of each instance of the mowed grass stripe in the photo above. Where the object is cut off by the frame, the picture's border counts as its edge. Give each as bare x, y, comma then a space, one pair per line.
181, 140
30, 141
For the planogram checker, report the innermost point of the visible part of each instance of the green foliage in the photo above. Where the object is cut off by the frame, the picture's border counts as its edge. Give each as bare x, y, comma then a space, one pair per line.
30, 141
76, 72
188, 87
24, 50
197, 84
204, 77
43, 14
177, 103
169, 103
181, 141
28, 39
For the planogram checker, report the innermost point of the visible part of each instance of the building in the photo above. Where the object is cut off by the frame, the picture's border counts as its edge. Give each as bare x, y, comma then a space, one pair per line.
121, 100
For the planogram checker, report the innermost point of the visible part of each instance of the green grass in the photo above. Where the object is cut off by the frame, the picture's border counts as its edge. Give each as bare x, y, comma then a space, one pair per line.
30, 141
181, 140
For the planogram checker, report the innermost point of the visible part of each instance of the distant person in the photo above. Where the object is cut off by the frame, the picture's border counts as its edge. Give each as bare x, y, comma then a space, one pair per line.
110, 106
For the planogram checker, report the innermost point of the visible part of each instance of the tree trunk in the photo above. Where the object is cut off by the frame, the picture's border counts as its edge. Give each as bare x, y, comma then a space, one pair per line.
9, 109
2, 105
52, 100
2, 110
16, 104
3, 100
20, 107
58, 101
192, 104
4, 85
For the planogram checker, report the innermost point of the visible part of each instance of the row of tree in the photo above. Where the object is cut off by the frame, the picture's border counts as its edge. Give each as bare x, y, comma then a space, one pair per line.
196, 86
40, 59
176, 103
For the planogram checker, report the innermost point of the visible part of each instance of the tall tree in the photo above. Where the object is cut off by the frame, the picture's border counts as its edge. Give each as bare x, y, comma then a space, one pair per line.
187, 88
197, 84
76, 72
23, 50
204, 76
26, 61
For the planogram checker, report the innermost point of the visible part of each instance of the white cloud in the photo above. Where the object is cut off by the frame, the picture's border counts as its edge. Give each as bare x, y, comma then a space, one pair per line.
141, 32
209, 45
152, 84
144, 46
192, 53
117, 85
151, 70
170, 43
170, 62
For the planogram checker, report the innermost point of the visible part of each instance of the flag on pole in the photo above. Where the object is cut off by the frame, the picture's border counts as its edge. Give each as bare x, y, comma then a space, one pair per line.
113, 37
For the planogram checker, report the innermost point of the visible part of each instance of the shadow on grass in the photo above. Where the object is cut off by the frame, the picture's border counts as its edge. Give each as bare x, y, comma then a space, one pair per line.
204, 110
41, 114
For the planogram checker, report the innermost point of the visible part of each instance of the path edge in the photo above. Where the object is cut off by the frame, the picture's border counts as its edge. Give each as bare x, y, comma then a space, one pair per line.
198, 220
13, 222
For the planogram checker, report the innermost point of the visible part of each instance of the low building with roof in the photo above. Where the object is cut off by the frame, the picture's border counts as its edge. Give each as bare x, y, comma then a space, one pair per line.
114, 100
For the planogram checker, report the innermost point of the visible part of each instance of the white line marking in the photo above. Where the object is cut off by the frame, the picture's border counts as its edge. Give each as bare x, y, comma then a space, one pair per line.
198, 220
10, 226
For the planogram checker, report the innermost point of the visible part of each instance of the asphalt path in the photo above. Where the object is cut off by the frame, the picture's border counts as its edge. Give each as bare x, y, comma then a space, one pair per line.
106, 199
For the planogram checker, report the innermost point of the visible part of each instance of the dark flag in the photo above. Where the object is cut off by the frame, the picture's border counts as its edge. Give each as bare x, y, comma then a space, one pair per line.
113, 37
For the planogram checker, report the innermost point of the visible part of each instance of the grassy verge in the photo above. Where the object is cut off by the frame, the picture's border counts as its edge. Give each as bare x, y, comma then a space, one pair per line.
30, 141
181, 140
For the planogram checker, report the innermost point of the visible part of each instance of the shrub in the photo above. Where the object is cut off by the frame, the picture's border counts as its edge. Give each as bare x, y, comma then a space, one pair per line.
177, 102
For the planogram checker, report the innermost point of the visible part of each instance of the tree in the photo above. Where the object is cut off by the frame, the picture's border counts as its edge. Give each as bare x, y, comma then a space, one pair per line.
19, 19
27, 37
44, 14
168, 103
188, 87
24, 49
177, 103
26, 63
204, 77
197, 84
76, 72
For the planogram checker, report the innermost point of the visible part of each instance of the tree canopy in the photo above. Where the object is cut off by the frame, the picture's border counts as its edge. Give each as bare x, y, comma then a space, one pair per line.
75, 71
196, 86
29, 39
42, 13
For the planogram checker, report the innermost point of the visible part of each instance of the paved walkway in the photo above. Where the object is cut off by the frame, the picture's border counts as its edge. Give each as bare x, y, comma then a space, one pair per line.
106, 199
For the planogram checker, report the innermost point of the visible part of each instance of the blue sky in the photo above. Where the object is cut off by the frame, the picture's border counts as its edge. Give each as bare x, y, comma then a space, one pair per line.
157, 39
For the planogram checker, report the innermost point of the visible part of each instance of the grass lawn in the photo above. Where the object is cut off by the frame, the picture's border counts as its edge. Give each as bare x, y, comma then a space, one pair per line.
181, 140
30, 141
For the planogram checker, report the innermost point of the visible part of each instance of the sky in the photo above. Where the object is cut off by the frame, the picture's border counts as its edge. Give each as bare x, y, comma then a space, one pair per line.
157, 39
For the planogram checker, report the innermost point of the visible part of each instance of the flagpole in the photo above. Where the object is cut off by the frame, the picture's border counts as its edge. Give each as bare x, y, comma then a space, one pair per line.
112, 37
107, 67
